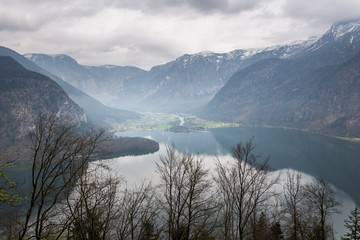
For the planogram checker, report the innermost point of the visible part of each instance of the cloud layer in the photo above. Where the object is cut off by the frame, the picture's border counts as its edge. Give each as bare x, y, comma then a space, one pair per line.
146, 33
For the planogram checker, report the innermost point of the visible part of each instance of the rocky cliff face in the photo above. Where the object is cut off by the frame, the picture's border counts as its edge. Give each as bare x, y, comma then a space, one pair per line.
25, 94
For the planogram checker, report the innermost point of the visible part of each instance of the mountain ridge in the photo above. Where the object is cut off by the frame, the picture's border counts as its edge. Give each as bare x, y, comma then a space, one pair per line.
265, 86
272, 93
96, 111
24, 95
184, 84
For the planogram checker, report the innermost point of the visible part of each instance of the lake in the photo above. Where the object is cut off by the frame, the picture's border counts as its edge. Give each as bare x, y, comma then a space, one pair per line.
335, 160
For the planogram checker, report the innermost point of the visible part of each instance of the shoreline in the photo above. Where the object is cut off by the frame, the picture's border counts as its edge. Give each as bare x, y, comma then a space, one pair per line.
191, 123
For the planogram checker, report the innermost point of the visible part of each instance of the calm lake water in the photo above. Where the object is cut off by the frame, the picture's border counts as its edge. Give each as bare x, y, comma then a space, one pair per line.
336, 160
333, 159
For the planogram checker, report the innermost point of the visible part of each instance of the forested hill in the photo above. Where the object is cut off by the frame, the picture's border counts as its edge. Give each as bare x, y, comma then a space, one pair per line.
24, 95
97, 112
334, 107
316, 90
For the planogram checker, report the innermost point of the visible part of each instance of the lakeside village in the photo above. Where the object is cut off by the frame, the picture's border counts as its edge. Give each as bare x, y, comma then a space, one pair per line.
169, 122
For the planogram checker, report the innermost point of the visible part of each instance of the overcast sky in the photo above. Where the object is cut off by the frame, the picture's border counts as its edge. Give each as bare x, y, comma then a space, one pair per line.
145, 33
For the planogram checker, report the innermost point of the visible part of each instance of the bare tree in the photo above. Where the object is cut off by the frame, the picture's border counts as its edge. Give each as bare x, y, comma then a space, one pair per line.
245, 186
91, 206
188, 206
138, 213
321, 199
296, 211
59, 153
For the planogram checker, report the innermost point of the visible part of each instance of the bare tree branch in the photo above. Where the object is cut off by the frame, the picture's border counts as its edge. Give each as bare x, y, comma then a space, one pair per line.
245, 186
59, 153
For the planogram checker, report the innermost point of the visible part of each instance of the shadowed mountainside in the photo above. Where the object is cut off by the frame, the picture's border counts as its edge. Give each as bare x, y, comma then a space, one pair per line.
24, 95
96, 112
311, 91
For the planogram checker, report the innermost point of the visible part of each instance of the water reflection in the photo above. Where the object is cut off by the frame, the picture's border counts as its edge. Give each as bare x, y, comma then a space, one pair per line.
137, 168
336, 160
333, 159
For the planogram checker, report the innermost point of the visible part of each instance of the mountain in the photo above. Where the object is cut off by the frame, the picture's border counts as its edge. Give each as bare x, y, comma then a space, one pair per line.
181, 85
334, 107
191, 81
270, 86
95, 110
24, 95
112, 85
276, 91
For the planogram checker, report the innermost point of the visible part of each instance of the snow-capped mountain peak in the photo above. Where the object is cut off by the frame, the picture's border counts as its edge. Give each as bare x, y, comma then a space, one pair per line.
51, 57
342, 28
205, 54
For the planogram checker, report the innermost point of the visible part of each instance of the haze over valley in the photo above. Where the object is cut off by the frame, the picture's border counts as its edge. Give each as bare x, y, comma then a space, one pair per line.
298, 85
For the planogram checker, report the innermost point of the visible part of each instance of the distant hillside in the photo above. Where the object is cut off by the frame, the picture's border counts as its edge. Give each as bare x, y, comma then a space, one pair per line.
190, 81
96, 112
334, 107
112, 85
24, 95
299, 92
182, 85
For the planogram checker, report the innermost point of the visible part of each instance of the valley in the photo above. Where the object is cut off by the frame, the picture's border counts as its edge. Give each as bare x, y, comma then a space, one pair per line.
298, 103
171, 122
311, 84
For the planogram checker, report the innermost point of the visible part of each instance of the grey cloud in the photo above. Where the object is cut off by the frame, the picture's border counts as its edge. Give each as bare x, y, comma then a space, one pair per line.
41, 12
9, 25
225, 6
145, 33
17, 22
322, 11
144, 55
199, 6
122, 48
24, 15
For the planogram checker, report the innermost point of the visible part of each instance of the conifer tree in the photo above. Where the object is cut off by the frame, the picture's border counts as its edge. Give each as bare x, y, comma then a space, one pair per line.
275, 232
353, 225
